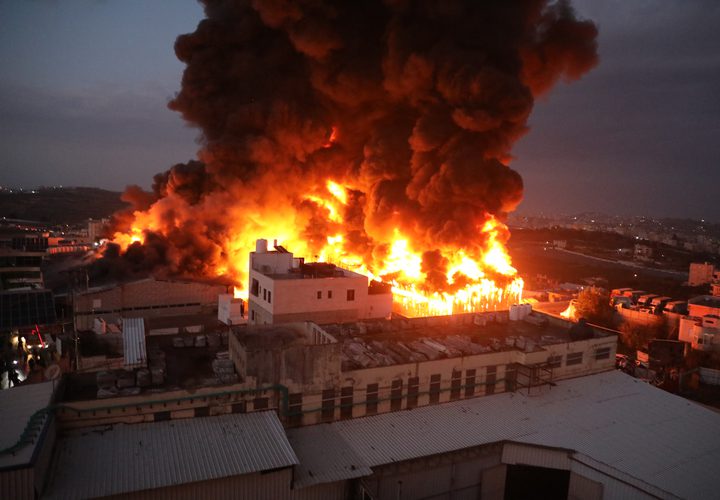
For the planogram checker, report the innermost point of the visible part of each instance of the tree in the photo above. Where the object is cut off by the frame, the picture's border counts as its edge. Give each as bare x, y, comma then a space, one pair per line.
637, 336
593, 304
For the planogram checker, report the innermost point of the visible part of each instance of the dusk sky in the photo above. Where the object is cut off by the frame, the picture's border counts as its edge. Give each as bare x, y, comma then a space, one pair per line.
84, 87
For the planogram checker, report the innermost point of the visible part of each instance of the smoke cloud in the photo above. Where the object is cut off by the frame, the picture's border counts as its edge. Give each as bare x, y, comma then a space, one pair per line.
415, 105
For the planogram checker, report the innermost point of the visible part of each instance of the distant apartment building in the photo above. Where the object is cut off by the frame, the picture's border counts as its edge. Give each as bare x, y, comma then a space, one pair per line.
95, 229
285, 289
701, 273
701, 326
21, 259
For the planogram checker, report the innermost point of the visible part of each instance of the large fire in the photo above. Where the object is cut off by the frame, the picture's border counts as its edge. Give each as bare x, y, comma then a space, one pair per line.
486, 281
374, 135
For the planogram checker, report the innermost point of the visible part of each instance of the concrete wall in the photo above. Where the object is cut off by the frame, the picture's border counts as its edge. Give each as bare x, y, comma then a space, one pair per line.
291, 300
145, 298
640, 317
457, 475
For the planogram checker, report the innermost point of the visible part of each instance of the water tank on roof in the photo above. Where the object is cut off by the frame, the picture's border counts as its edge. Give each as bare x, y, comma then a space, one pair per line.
261, 246
514, 312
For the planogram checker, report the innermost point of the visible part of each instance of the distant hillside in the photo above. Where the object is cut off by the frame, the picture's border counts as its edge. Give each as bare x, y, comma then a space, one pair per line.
60, 205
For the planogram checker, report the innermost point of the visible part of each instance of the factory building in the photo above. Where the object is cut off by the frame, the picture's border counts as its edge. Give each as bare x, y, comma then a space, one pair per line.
493, 405
285, 289
346, 370
145, 298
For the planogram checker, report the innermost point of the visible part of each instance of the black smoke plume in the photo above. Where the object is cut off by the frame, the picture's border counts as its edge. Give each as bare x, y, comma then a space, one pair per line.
425, 100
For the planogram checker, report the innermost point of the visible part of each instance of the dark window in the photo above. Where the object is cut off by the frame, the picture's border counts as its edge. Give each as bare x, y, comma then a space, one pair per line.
295, 409
412, 394
346, 402
490, 380
238, 407
455, 383
162, 415
372, 399
554, 361
434, 389
202, 412
260, 403
396, 395
602, 353
252, 315
328, 405
351, 295
269, 297
469, 383
510, 378
255, 288
319, 294
526, 481
329, 294
265, 294
574, 358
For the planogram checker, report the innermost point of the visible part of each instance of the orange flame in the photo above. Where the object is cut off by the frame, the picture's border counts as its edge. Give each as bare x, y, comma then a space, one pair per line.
474, 282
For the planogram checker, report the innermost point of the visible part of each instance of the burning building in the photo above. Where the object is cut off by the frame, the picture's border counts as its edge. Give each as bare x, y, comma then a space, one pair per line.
372, 135
284, 288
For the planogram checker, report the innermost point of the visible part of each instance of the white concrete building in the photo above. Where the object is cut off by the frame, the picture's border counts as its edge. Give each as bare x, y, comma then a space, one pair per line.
231, 309
285, 289
703, 333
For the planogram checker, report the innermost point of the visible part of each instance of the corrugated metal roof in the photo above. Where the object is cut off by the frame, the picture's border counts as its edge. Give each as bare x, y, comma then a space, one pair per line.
126, 458
630, 426
17, 405
324, 456
134, 342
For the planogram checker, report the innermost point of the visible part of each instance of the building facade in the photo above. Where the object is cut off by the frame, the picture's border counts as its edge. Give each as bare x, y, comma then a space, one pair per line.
285, 289
146, 298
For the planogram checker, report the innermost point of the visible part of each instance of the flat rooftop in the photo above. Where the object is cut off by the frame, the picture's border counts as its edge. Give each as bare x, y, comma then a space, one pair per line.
295, 274
705, 300
367, 344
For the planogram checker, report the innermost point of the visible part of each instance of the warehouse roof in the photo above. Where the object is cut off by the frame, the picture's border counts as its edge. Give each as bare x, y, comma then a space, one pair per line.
627, 425
17, 406
324, 456
125, 458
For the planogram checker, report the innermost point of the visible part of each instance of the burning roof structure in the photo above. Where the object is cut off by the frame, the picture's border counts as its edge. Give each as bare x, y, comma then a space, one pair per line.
376, 135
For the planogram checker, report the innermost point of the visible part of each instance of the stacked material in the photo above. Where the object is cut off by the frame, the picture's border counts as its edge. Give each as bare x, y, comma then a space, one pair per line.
106, 381
157, 367
118, 383
224, 369
143, 377
213, 340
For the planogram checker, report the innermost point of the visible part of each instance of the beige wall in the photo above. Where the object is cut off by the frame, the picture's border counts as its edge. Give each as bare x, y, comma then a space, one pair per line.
145, 298
383, 376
